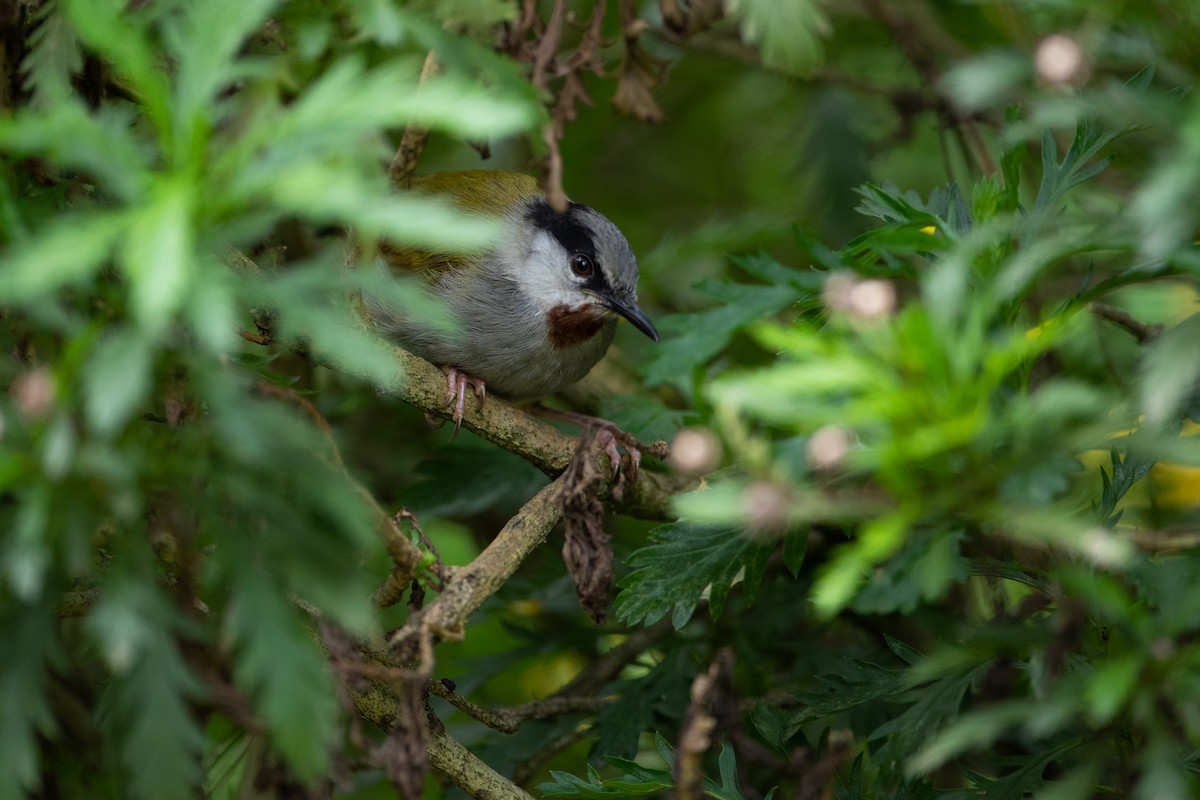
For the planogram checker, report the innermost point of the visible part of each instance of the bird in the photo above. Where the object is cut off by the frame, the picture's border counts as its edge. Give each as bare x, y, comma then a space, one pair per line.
536, 311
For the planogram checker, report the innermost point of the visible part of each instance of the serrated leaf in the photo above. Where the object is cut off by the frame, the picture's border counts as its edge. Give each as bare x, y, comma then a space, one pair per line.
349, 100
663, 690
937, 705
1125, 473
26, 554
280, 665
685, 559
921, 572
728, 788
689, 340
566, 785
1109, 688
29, 649
860, 682
148, 708
145, 706
53, 59
1162, 772
468, 479
795, 546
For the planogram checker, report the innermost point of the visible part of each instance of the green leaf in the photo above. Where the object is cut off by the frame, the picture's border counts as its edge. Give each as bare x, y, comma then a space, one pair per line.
921, 572
145, 707
857, 683
979, 729
1076, 167
119, 35
470, 478
116, 379
348, 102
567, 785
66, 253
53, 59
26, 554
936, 706
795, 546
728, 788
1171, 372
30, 647
205, 39
158, 256
278, 662
1110, 687
1162, 773
664, 690
148, 708
100, 144
684, 560
788, 34
1125, 473
690, 340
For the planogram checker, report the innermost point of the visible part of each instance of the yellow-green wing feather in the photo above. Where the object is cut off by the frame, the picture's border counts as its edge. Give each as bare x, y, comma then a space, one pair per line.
483, 191
486, 192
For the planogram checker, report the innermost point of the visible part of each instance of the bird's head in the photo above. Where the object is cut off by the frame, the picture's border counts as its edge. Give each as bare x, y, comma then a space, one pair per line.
577, 268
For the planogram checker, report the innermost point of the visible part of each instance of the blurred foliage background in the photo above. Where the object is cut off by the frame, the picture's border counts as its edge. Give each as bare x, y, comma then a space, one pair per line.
926, 274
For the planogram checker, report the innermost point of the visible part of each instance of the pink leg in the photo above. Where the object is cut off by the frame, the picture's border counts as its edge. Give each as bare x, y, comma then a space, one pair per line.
457, 383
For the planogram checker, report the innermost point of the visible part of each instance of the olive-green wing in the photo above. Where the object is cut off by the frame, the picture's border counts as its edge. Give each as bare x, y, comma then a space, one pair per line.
486, 192
482, 191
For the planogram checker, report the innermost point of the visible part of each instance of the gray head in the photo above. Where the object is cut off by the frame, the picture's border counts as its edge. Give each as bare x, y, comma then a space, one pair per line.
576, 263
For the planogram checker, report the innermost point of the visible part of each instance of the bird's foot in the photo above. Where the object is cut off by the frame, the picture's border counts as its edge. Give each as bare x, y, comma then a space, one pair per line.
609, 436
458, 383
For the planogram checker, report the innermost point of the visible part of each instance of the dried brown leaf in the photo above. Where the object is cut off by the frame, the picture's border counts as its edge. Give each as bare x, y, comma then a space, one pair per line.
640, 75
587, 550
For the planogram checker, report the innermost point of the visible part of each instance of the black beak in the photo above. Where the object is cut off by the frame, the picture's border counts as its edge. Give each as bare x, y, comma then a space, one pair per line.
631, 312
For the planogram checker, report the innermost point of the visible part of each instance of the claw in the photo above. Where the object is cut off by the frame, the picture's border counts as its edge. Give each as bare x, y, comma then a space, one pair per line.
606, 437
457, 383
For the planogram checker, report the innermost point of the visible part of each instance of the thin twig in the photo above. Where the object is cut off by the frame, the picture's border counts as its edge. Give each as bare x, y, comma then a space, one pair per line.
412, 141
1144, 332
381, 705
469, 586
507, 720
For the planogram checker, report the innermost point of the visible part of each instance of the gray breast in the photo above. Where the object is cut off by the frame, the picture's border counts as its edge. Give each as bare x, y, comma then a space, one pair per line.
501, 339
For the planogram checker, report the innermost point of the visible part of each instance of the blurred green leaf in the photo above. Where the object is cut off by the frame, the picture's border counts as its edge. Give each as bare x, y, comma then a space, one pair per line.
922, 571
30, 648
690, 340
788, 34
1110, 687
120, 36
279, 663
53, 57
117, 378
1171, 372
66, 253
100, 144
205, 39
158, 256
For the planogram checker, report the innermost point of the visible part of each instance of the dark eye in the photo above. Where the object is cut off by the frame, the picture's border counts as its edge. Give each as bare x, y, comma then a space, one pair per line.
581, 265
